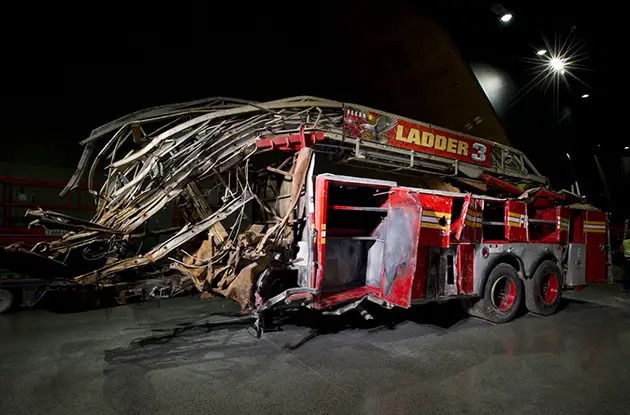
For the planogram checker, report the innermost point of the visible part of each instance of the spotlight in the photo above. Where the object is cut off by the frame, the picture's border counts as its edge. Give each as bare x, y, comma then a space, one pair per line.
557, 64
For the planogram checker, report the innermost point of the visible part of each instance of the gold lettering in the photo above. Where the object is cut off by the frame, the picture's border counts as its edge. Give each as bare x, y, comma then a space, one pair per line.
399, 133
440, 142
414, 136
462, 148
427, 139
451, 147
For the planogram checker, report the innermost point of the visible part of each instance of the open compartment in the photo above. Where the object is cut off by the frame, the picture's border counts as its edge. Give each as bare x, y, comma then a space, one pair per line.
493, 224
355, 226
366, 234
350, 224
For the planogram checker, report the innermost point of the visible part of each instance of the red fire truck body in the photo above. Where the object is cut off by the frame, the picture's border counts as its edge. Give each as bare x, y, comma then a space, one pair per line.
372, 240
399, 246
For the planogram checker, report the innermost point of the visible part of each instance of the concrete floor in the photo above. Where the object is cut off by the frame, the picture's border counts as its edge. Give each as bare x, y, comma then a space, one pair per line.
180, 358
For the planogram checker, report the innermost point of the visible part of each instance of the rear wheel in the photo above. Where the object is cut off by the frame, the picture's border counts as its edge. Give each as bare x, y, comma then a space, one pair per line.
544, 289
6, 300
502, 296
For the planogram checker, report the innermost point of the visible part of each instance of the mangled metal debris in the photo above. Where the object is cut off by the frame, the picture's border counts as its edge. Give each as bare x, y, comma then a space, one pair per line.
181, 155
240, 180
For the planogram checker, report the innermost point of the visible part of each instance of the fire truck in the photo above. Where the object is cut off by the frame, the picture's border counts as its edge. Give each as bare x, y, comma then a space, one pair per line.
395, 242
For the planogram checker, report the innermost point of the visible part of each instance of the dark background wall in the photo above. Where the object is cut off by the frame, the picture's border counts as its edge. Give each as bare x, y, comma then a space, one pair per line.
68, 75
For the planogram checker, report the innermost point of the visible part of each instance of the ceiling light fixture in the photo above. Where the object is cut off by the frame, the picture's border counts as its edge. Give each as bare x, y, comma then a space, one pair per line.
557, 64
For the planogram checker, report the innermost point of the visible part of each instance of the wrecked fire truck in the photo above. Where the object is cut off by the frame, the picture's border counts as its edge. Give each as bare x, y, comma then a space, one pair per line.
306, 202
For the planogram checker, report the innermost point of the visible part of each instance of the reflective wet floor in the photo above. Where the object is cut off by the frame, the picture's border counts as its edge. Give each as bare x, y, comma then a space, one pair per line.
198, 356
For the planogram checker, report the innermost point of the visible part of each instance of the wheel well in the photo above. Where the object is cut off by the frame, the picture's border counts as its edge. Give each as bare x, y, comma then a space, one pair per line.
507, 258
540, 260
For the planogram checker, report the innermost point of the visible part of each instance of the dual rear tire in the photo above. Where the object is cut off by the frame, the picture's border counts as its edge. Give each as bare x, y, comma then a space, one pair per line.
544, 289
504, 292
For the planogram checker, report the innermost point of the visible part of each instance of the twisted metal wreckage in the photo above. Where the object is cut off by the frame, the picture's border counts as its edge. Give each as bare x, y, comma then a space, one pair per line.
240, 175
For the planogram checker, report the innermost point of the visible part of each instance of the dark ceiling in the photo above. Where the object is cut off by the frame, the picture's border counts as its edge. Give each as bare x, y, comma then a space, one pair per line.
548, 125
72, 70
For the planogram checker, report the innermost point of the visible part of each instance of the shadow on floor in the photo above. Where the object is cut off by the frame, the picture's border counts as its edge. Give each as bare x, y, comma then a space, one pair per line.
447, 315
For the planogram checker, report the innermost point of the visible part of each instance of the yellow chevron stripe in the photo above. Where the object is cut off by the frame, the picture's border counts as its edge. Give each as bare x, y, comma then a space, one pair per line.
435, 214
473, 224
514, 224
474, 213
595, 230
591, 222
515, 215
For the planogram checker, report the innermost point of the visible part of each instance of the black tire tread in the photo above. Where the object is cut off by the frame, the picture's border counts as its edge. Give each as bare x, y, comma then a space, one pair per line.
483, 308
532, 300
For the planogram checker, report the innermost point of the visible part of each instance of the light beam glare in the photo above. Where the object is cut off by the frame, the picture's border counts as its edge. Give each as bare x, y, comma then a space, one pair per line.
564, 57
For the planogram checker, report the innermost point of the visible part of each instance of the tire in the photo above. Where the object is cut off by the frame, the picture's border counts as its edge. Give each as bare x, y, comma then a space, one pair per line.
7, 300
544, 289
503, 293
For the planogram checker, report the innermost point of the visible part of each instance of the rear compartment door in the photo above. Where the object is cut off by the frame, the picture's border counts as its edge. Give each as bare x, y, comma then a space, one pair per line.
401, 246
595, 239
436, 220
516, 222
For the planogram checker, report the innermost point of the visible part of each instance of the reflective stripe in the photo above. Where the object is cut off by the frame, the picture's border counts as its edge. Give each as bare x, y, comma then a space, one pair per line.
563, 223
626, 248
434, 220
473, 224
517, 219
431, 219
595, 227
594, 222
435, 214
472, 220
